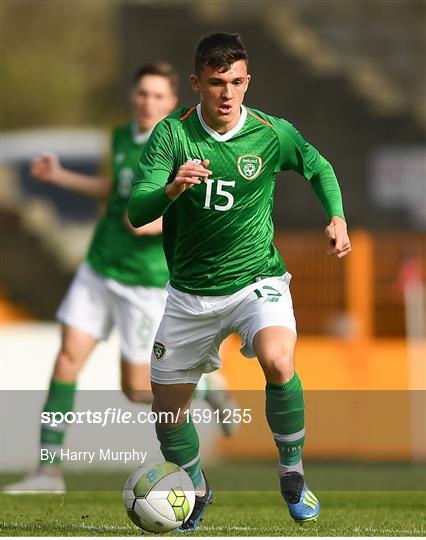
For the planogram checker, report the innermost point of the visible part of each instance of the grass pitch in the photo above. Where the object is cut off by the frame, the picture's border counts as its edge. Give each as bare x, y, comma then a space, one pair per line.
231, 514
397, 507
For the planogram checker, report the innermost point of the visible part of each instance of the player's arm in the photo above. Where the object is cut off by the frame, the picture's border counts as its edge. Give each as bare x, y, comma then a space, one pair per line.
327, 189
47, 168
150, 229
299, 155
156, 186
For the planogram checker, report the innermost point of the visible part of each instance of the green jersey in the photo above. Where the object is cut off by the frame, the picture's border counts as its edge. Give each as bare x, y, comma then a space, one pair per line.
218, 235
115, 252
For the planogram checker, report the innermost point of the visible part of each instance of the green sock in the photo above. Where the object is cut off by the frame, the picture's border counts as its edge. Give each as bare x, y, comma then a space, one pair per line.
285, 415
181, 445
59, 399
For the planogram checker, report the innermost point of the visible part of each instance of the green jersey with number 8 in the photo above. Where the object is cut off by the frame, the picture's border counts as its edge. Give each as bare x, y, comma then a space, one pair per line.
115, 252
218, 235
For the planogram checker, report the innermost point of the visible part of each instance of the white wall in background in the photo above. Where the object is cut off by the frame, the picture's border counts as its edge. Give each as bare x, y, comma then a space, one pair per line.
27, 356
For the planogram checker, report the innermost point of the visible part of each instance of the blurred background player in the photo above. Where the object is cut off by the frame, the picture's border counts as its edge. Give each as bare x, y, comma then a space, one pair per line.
122, 281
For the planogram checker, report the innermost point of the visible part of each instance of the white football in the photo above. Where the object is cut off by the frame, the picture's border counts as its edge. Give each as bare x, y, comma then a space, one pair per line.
159, 497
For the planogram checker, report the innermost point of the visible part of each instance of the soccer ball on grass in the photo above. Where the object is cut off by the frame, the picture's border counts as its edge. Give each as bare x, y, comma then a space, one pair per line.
159, 497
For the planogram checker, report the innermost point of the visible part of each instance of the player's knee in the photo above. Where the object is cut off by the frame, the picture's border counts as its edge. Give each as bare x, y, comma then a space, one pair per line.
67, 365
169, 414
279, 367
137, 396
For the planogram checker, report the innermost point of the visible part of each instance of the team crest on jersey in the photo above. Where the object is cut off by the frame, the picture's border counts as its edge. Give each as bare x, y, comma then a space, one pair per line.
159, 350
249, 166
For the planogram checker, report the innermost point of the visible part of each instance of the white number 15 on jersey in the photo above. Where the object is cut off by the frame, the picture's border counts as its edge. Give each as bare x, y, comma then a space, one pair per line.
220, 184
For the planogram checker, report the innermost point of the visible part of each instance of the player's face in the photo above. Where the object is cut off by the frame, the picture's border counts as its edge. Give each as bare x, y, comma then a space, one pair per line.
152, 99
222, 93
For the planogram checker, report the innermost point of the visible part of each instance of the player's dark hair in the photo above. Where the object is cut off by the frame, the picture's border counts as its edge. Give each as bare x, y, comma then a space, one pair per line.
219, 51
163, 69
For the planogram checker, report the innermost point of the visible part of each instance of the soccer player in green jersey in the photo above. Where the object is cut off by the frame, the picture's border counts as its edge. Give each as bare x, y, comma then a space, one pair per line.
210, 171
122, 281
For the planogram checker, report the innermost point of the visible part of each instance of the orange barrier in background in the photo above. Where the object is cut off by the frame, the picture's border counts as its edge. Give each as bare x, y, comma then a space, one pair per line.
331, 364
357, 404
10, 313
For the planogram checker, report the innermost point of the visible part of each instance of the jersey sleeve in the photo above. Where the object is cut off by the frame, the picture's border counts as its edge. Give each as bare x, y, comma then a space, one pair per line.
297, 154
148, 200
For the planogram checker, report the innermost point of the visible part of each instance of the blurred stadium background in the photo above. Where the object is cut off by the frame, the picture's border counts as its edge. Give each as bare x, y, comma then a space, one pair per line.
351, 77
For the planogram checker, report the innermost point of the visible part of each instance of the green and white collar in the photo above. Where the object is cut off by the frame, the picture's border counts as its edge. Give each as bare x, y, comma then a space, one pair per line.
229, 134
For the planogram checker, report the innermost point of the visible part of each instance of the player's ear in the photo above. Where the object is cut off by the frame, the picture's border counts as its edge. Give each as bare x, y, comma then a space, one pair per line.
248, 81
195, 83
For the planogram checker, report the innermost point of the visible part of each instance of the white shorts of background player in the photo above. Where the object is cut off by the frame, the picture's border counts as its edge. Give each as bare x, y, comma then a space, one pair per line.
95, 304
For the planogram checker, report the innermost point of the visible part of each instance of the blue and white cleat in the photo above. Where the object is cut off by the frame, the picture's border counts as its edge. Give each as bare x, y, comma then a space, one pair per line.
200, 506
302, 504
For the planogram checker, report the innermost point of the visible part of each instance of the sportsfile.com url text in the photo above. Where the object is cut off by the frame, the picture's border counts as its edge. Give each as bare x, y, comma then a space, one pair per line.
113, 415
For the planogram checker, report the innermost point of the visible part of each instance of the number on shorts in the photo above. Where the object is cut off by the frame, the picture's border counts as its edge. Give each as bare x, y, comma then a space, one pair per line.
272, 293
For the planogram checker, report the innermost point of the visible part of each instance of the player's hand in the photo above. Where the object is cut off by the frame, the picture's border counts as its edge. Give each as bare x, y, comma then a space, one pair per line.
46, 168
339, 244
188, 175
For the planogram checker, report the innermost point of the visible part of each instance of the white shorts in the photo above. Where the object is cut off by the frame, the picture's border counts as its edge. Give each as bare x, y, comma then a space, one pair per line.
95, 304
193, 327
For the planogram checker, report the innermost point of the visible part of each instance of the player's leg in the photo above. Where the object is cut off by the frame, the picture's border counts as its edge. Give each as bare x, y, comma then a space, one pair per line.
84, 314
76, 347
179, 441
175, 430
135, 381
86, 319
137, 312
274, 348
185, 346
266, 320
